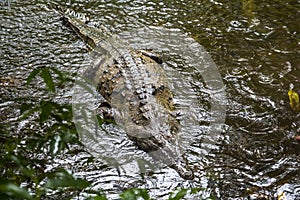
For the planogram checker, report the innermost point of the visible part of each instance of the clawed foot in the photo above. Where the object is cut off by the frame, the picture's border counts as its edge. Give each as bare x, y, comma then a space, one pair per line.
104, 111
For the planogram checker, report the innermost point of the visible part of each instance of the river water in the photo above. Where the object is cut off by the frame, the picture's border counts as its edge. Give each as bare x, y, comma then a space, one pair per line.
253, 52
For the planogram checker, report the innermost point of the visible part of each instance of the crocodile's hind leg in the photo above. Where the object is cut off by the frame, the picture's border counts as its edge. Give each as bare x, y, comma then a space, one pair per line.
149, 53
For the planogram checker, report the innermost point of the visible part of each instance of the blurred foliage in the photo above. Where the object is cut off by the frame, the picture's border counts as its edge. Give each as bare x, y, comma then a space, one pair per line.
134, 194
25, 155
48, 77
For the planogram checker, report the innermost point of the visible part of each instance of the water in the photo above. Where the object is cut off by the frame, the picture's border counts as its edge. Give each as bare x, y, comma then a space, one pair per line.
255, 46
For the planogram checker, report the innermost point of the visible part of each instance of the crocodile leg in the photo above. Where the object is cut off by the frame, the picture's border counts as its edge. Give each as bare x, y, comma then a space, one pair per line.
104, 111
152, 55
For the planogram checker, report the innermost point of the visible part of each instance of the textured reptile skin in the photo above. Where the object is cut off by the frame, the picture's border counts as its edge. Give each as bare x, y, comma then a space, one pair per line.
135, 85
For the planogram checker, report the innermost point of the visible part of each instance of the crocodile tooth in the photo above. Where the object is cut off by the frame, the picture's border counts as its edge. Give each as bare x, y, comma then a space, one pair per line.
146, 116
124, 95
128, 86
142, 96
143, 102
68, 11
135, 121
144, 108
127, 82
138, 91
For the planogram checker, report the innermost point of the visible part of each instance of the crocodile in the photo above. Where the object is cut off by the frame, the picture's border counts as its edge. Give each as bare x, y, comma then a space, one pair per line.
134, 82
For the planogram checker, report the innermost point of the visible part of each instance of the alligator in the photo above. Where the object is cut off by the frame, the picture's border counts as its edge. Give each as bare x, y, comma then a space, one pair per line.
134, 82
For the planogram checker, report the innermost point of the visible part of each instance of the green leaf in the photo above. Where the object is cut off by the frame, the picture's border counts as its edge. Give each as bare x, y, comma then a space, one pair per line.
62, 179
33, 74
22, 164
48, 79
100, 198
128, 195
59, 73
13, 190
28, 109
25, 107
133, 194
29, 112
196, 190
46, 109
179, 195
144, 194
62, 112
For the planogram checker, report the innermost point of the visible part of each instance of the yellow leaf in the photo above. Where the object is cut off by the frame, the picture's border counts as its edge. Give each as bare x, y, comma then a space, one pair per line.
294, 100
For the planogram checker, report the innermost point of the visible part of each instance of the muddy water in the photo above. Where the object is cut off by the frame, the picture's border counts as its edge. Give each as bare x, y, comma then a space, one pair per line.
255, 46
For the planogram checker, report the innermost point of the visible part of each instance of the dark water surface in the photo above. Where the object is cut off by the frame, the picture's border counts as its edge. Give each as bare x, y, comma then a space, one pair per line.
256, 47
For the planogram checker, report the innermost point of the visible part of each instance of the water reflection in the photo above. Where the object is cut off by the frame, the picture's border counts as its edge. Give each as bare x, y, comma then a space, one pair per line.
256, 48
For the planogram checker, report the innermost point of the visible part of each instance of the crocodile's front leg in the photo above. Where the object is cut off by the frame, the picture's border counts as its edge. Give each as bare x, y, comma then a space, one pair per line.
104, 111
